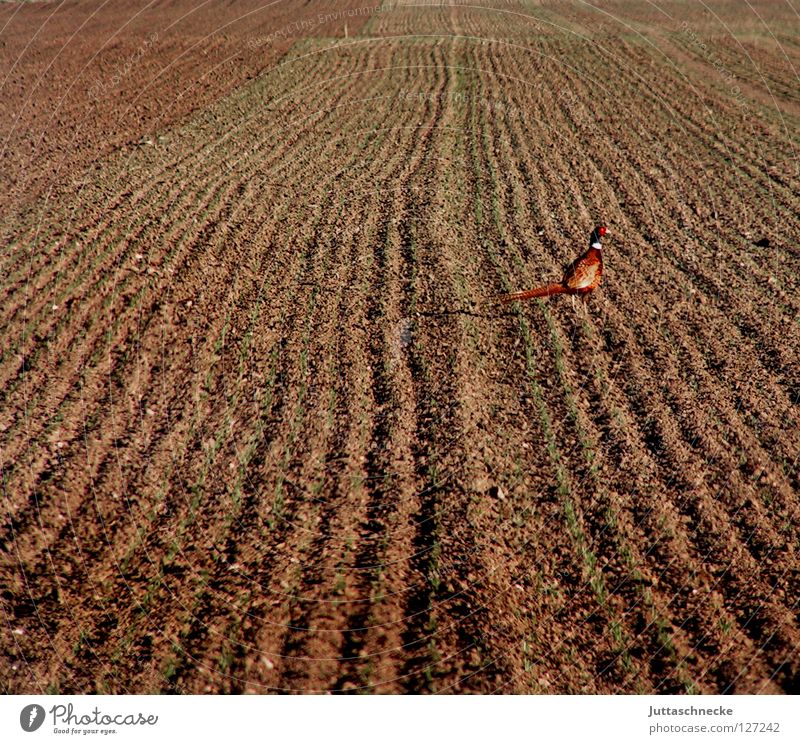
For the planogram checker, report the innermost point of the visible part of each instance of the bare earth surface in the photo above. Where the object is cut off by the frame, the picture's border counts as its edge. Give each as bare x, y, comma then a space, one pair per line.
262, 427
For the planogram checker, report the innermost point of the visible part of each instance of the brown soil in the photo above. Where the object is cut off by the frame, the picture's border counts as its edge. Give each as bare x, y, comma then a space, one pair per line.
262, 427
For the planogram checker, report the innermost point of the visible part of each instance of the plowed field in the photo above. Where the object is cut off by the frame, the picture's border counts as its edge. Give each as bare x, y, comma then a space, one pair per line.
263, 427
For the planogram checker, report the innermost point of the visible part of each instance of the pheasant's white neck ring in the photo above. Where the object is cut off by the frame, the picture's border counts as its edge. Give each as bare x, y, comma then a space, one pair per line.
597, 245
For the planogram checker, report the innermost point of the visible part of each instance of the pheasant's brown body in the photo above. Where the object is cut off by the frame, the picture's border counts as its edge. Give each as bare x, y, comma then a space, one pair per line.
580, 277
584, 274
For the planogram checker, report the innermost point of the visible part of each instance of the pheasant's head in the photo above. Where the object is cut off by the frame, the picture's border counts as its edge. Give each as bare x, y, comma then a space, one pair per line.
596, 238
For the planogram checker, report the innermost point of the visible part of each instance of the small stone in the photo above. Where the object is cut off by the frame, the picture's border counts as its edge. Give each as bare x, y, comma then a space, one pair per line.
497, 492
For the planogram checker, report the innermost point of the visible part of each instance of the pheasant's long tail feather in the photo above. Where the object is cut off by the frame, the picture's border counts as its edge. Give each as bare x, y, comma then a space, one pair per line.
550, 289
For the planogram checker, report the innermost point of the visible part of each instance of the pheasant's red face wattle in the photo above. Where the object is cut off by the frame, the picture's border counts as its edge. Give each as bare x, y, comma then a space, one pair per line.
601, 231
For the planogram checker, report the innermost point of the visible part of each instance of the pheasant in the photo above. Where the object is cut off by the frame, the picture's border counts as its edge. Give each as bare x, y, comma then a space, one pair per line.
580, 277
